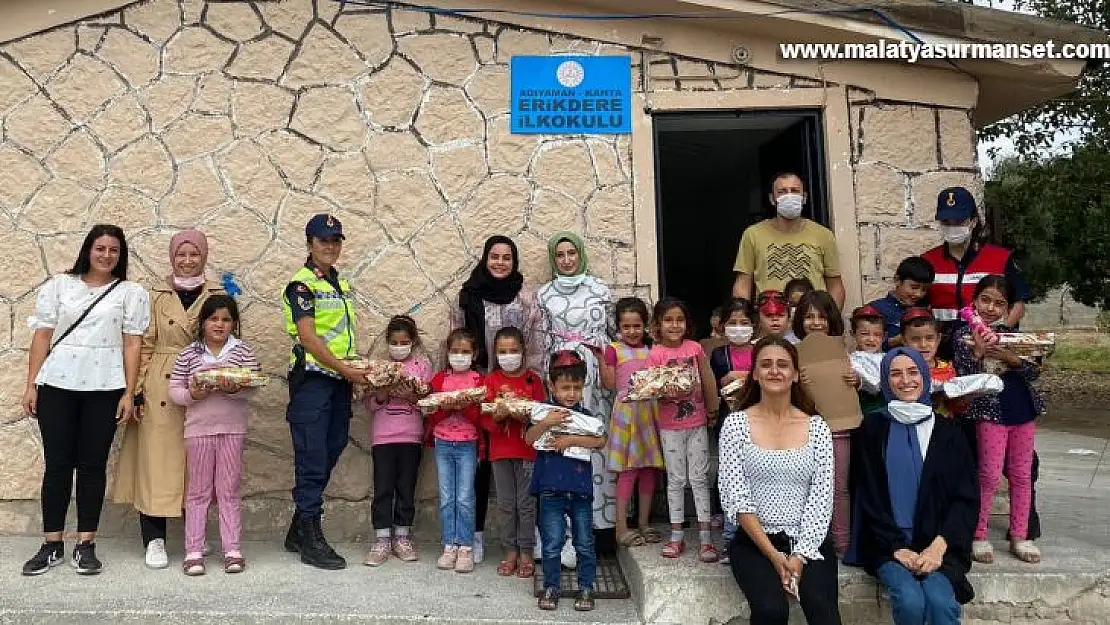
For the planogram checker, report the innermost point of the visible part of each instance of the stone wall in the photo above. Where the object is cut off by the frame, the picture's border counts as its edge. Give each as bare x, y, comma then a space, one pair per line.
246, 118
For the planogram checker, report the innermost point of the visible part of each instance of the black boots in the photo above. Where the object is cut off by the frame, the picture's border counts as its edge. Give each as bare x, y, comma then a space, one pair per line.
293, 537
314, 548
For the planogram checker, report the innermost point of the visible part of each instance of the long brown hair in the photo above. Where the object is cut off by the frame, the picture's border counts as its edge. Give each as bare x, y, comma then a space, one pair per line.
751, 394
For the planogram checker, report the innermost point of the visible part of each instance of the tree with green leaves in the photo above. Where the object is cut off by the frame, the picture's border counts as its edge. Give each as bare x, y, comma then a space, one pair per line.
1056, 213
1085, 111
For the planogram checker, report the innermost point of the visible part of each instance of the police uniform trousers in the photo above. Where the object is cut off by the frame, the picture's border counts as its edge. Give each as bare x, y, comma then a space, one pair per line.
319, 416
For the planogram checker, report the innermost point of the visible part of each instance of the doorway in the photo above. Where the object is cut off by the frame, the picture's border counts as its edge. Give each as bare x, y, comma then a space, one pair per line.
713, 174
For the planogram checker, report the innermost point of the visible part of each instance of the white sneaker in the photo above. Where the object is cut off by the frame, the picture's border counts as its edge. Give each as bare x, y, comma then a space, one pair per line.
156, 556
479, 550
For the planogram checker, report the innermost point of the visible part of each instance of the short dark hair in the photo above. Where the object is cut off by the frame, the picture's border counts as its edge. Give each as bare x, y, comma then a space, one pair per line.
666, 304
856, 320
915, 268
403, 323
82, 265
462, 334
209, 308
632, 305
510, 332
824, 303
919, 317
797, 285
784, 174
738, 304
568, 365
998, 282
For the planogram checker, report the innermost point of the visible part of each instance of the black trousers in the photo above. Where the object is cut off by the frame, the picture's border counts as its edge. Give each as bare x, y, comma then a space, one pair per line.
77, 431
1034, 532
396, 466
762, 587
152, 527
483, 477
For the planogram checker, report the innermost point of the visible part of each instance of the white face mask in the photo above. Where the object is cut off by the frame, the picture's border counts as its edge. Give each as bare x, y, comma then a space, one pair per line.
570, 281
399, 352
459, 362
509, 362
789, 206
955, 234
909, 413
739, 334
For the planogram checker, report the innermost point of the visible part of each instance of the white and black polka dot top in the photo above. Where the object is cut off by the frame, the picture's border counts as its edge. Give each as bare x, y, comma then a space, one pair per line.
790, 490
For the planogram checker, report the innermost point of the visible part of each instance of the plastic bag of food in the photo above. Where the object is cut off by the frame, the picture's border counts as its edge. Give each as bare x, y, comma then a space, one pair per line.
512, 405
660, 383
973, 385
579, 425
435, 401
869, 368
731, 391
383, 373
1025, 344
242, 376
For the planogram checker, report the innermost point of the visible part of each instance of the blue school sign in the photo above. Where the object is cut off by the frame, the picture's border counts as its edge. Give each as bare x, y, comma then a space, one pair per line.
580, 95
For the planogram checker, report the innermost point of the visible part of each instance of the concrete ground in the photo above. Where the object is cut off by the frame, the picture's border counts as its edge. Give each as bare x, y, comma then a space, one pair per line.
1072, 585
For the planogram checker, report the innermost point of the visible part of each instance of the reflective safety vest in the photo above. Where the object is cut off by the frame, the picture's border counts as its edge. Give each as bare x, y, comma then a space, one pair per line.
954, 285
335, 319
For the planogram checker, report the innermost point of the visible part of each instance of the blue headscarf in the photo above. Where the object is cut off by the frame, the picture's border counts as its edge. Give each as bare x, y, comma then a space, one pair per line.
903, 450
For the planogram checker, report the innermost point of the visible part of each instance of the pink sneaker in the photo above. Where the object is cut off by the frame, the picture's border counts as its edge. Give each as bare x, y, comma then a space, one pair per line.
465, 562
449, 557
404, 549
378, 554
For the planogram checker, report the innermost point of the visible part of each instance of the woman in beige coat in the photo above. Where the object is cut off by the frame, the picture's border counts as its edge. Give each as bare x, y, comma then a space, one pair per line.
151, 472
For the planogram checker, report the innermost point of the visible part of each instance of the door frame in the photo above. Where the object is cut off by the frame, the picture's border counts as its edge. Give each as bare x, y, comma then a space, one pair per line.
814, 173
832, 100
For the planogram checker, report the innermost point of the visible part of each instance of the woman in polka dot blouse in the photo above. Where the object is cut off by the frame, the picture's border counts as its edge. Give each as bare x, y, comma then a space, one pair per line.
776, 480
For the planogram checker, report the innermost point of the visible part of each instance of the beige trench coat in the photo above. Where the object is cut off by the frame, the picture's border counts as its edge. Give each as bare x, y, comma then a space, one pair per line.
151, 472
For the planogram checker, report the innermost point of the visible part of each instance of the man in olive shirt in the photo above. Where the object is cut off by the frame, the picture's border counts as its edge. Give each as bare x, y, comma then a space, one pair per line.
787, 246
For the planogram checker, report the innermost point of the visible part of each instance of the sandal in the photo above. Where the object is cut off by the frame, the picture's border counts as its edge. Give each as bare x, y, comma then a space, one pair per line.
233, 564
506, 567
549, 600
674, 548
982, 551
631, 539
708, 553
193, 568
1026, 551
652, 535
584, 602
526, 569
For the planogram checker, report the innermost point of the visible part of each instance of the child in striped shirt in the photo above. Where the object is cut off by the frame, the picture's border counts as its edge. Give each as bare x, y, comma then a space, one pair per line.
215, 427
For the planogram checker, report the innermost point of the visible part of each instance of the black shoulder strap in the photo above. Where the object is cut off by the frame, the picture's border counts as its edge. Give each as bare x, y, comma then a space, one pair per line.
73, 327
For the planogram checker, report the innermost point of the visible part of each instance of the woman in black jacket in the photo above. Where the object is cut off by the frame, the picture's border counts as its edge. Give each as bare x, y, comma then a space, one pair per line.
918, 498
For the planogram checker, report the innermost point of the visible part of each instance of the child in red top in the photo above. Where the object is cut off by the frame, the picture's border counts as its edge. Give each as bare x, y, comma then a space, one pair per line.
512, 457
682, 426
454, 430
921, 331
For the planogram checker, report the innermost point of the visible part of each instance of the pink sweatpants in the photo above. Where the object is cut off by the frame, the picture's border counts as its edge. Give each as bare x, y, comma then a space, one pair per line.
215, 464
626, 482
1012, 445
841, 523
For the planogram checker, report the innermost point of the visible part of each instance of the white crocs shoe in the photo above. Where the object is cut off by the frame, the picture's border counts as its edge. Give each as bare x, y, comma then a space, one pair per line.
156, 556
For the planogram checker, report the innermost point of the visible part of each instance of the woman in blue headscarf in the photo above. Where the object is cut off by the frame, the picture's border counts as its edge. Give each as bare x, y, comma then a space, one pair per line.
918, 494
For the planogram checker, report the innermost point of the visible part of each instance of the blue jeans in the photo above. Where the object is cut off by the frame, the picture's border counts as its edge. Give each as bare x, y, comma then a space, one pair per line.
456, 464
319, 416
918, 600
554, 508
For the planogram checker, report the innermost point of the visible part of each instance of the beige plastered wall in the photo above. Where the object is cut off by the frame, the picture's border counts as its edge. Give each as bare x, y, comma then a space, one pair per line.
245, 119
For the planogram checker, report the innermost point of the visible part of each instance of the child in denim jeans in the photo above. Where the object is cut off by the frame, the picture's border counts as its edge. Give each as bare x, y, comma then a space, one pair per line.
564, 486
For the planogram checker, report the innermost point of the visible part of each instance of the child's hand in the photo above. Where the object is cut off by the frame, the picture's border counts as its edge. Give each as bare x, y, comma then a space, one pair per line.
381, 395
1002, 354
851, 378
558, 416
803, 377
197, 391
732, 376
562, 442
229, 387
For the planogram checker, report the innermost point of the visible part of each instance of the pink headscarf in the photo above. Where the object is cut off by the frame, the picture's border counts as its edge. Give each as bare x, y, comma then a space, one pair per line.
197, 238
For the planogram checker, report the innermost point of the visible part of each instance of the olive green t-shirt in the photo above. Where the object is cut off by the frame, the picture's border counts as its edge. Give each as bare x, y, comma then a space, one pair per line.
774, 258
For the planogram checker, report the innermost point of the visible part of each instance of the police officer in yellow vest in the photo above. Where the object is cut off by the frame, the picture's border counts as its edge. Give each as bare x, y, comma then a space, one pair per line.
320, 318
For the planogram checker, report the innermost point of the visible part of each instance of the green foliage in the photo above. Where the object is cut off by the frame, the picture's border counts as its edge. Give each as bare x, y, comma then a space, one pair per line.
1086, 111
1056, 213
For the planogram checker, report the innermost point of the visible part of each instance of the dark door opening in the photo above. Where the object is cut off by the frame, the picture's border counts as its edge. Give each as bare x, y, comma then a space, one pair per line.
713, 173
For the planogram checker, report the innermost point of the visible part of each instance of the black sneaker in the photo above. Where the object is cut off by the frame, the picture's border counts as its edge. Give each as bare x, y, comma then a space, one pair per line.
50, 554
84, 559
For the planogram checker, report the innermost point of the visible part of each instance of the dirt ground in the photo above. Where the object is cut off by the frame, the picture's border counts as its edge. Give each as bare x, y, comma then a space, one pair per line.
1078, 401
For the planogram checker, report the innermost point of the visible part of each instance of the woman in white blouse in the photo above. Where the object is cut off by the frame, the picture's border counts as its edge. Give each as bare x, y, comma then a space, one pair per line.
81, 375
776, 480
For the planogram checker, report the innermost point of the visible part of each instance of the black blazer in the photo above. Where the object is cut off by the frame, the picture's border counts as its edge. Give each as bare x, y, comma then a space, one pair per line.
947, 500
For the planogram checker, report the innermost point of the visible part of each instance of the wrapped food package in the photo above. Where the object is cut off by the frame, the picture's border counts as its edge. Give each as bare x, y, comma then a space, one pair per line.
660, 382
512, 405
731, 391
410, 384
242, 376
434, 402
1026, 344
869, 367
968, 386
383, 373
579, 425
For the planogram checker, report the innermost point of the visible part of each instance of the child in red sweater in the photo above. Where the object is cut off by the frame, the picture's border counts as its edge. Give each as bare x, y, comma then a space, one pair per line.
510, 454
